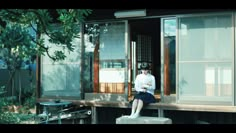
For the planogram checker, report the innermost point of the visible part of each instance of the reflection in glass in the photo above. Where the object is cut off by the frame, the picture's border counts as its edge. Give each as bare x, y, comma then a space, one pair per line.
105, 57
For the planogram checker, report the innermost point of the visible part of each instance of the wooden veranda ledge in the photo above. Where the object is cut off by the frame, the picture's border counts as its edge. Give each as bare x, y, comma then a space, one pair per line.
158, 105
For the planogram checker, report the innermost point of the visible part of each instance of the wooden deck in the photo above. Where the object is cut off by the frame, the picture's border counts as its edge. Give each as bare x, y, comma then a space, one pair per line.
158, 105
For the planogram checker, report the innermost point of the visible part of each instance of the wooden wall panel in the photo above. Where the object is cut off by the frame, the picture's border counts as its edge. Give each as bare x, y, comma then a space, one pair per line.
117, 88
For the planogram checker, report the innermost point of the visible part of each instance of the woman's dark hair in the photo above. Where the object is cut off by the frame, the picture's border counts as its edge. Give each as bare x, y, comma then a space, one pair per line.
145, 66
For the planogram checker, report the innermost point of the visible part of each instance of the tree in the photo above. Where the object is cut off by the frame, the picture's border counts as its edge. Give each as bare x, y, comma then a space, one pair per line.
20, 31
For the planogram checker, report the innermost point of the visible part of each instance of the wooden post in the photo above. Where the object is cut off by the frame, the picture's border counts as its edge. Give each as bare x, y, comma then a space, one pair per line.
160, 112
166, 68
96, 67
94, 115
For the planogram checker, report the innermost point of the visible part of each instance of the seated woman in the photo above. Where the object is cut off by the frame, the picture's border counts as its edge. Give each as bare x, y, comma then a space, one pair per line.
144, 86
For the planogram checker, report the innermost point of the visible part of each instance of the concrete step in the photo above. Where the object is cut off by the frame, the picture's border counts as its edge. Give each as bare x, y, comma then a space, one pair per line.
143, 120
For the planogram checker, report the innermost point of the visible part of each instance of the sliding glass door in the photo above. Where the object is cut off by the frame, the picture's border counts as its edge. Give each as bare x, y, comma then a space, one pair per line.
168, 56
205, 59
106, 59
61, 79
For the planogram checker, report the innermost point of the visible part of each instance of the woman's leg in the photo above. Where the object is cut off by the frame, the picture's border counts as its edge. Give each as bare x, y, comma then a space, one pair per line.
134, 106
138, 109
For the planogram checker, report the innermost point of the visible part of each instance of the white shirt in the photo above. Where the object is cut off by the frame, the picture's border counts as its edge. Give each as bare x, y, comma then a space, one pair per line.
146, 80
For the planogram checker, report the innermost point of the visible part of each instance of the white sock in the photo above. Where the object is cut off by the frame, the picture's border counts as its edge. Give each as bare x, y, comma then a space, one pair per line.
135, 115
130, 116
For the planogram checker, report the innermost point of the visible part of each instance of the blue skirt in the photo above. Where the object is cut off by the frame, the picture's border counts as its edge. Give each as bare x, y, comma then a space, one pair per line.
145, 97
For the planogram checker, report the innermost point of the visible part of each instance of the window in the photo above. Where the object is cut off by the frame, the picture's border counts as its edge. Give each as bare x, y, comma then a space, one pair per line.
61, 78
105, 57
205, 59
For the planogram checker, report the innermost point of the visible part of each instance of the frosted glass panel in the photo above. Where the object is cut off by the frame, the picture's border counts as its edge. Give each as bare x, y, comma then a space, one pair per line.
205, 79
107, 76
105, 55
53, 77
205, 38
70, 56
76, 54
73, 77
205, 58
61, 78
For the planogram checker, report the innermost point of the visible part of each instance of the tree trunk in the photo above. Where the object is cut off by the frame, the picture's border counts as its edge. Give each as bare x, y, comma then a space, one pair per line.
19, 77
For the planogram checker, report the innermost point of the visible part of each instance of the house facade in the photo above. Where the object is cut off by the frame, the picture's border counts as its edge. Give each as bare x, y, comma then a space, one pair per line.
191, 53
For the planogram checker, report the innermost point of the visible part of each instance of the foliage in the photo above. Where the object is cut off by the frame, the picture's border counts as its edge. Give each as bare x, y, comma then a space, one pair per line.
16, 38
2, 90
7, 117
30, 102
12, 113
27, 96
20, 31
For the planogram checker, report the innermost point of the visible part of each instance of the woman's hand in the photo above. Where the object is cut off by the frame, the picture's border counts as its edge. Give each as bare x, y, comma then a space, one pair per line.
146, 86
144, 90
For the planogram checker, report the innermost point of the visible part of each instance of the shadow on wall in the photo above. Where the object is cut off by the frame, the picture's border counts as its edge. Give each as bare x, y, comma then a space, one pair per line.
61, 80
